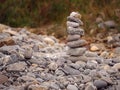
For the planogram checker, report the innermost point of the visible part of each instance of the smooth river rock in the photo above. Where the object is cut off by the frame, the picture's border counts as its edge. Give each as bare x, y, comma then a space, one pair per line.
76, 51
78, 43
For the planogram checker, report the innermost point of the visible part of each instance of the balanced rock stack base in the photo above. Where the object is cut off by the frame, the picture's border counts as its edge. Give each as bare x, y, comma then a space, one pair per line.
74, 39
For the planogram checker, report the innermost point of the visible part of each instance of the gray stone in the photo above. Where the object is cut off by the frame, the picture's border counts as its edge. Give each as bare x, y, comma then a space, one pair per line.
75, 14
71, 71
78, 58
76, 44
107, 79
5, 60
117, 50
73, 19
72, 24
1, 55
103, 73
47, 76
101, 25
116, 66
91, 65
86, 71
53, 66
117, 37
99, 20
59, 72
93, 73
116, 60
90, 86
39, 61
73, 37
91, 54
81, 64
26, 78
118, 86
9, 49
53, 85
28, 53
72, 87
75, 65
19, 66
75, 31
76, 51
116, 44
37, 87
110, 24
100, 84
107, 24
15, 88
4, 35
16, 57
86, 79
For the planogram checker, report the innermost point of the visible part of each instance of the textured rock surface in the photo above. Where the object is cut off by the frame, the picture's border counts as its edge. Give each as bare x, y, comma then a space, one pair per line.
40, 62
72, 87
76, 51
20, 66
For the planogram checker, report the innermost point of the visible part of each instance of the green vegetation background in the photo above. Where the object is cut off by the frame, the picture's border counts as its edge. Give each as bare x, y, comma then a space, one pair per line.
35, 13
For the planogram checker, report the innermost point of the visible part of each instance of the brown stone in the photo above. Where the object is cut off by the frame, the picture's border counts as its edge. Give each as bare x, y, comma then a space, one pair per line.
3, 78
10, 32
7, 41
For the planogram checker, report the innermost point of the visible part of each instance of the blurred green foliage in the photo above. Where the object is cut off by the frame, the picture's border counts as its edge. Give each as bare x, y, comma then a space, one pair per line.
34, 13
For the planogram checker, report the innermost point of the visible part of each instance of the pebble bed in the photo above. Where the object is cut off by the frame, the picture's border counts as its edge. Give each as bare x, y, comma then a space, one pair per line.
39, 62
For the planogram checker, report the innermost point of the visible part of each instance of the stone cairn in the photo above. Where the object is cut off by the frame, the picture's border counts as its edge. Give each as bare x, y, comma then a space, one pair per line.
74, 39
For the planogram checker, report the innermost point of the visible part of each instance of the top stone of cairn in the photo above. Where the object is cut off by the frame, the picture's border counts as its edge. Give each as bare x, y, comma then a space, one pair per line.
75, 14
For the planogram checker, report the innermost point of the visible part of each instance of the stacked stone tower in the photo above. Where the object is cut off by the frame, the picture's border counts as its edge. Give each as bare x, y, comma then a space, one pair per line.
74, 39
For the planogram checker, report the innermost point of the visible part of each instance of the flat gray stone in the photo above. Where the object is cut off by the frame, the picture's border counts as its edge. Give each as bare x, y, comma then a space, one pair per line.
19, 66
110, 24
74, 65
72, 87
26, 78
75, 31
91, 54
37, 87
72, 24
9, 49
78, 58
73, 19
70, 70
76, 44
76, 51
73, 37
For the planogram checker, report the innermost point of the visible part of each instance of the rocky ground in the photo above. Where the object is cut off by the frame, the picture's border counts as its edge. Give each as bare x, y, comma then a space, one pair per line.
39, 62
